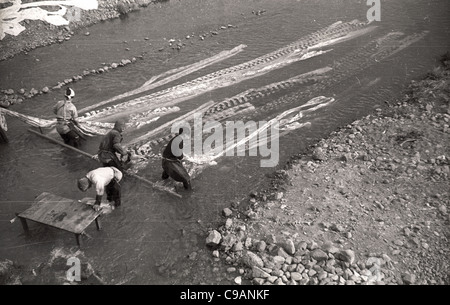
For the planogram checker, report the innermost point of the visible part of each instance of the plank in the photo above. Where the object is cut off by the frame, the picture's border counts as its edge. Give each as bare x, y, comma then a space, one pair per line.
59, 212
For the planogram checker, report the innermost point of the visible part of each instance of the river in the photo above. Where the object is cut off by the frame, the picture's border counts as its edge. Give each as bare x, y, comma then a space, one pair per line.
153, 228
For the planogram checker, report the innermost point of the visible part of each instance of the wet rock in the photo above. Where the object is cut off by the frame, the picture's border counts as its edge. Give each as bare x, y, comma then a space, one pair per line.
213, 238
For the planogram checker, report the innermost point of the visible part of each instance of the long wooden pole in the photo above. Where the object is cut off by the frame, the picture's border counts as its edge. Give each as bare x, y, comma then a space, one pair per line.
152, 184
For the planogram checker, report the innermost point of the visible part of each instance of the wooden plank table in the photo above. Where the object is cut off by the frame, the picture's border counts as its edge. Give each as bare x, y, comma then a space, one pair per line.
61, 213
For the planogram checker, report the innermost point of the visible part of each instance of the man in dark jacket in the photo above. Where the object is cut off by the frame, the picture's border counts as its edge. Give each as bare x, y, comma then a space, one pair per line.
171, 162
110, 145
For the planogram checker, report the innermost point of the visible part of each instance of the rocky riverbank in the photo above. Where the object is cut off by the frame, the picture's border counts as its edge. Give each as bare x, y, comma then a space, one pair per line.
38, 33
368, 205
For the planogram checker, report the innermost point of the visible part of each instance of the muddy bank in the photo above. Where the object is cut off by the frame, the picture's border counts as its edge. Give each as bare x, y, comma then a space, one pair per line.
368, 205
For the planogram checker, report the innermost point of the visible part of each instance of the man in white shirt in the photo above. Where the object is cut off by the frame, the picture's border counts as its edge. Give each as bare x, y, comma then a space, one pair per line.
104, 179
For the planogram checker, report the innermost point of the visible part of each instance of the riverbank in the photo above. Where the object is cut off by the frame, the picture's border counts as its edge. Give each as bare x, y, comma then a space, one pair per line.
38, 33
368, 205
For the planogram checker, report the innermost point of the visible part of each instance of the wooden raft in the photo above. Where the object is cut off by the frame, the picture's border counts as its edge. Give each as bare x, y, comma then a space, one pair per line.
61, 213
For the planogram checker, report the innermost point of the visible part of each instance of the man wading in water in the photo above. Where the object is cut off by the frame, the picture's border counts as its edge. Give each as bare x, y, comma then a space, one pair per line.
105, 180
171, 162
66, 115
110, 145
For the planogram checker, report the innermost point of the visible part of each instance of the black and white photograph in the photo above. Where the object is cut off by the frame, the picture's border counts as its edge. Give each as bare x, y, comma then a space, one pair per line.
224, 147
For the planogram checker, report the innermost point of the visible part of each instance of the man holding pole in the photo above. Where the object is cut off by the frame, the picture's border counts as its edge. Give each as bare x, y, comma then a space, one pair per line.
110, 145
66, 115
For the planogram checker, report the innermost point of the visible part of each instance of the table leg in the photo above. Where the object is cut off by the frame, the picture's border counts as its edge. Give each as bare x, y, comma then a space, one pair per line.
23, 221
98, 224
78, 238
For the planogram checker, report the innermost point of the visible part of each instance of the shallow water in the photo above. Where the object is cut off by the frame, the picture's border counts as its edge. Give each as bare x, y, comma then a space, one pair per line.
153, 227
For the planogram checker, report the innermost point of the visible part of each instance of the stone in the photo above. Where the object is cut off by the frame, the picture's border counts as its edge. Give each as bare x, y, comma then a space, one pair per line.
409, 279
213, 238
227, 212
278, 260
319, 255
238, 247
346, 256
289, 246
398, 242
259, 273
337, 227
238, 280
279, 196
301, 246
328, 247
282, 253
228, 241
300, 268
231, 269
228, 223
248, 242
318, 154
261, 246
251, 259
296, 276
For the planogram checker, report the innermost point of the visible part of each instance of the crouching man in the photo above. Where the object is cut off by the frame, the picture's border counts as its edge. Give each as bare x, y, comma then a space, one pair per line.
104, 179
